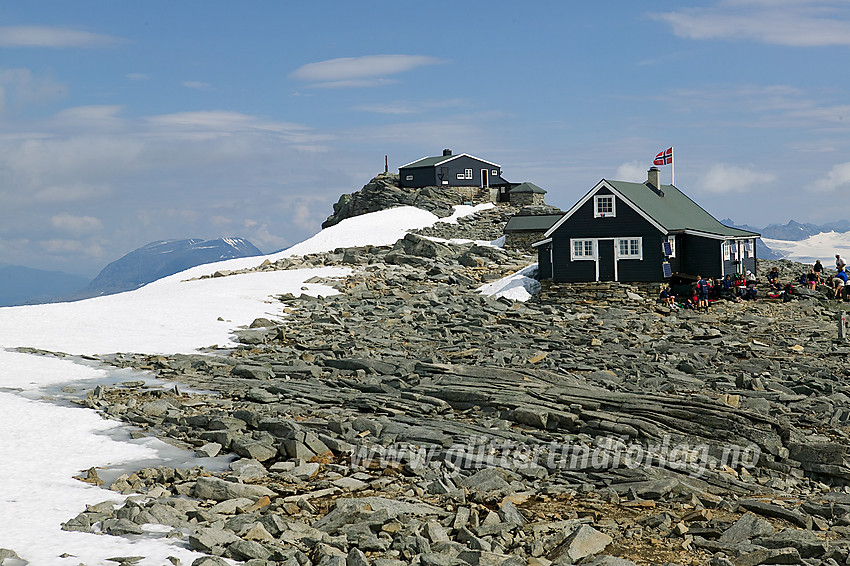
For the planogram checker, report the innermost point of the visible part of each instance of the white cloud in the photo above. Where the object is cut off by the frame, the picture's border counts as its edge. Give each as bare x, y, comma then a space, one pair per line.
797, 23
357, 71
722, 178
45, 36
634, 171
19, 87
77, 225
837, 178
65, 246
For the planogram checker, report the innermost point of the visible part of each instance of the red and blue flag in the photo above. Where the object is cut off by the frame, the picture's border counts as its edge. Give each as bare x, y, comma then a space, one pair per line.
664, 157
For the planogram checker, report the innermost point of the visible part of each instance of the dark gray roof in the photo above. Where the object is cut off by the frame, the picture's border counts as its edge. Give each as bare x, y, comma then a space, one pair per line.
531, 222
440, 159
528, 188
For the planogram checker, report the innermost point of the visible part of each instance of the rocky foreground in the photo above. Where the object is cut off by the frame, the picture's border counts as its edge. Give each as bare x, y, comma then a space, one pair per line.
411, 420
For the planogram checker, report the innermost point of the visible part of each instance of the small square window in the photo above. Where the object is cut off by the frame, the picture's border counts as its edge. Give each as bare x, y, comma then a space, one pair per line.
495, 172
468, 173
603, 206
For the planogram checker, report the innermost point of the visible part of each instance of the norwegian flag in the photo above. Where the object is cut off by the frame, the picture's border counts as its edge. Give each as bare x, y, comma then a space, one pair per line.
664, 157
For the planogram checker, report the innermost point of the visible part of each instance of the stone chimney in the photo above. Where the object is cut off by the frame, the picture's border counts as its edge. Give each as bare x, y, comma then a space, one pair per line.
653, 180
652, 177
447, 152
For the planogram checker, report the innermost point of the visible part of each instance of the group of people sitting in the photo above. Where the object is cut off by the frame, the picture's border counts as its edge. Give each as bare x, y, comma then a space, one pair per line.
742, 288
733, 288
839, 283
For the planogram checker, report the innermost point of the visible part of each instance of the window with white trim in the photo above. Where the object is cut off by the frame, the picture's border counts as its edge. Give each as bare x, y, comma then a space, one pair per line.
408, 178
461, 176
629, 248
748, 250
468, 173
582, 249
727, 251
494, 172
603, 206
672, 241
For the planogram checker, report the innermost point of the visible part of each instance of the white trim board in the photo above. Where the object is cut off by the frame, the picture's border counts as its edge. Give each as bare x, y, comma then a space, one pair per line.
449, 158
591, 193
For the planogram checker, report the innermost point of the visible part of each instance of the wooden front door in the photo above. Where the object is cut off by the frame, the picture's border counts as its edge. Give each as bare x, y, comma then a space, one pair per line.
605, 260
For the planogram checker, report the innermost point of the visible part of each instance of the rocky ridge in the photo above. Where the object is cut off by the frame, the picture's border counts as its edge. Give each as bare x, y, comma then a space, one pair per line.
411, 420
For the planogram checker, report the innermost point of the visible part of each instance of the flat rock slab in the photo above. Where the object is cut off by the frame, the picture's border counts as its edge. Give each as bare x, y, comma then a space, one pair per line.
221, 490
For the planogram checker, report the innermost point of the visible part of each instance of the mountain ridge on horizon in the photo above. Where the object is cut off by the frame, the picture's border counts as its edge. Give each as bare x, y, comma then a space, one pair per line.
792, 230
134, 269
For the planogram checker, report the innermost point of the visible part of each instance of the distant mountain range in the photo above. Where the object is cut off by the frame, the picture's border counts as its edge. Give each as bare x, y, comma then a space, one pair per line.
22, 285
794, 231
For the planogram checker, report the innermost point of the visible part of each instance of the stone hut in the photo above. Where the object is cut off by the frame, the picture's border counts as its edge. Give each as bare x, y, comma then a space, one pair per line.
527, 194
528, 226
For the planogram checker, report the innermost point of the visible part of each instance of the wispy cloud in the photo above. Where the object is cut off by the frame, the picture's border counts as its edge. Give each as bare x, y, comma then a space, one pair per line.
797, 23
837, 178
76, 225
368, 70
198, 85
722, 178
19, 87
400, 108
137, 76
45, 36
634, 171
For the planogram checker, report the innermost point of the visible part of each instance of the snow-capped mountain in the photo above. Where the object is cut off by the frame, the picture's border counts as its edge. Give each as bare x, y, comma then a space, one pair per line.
164, 258
822, 246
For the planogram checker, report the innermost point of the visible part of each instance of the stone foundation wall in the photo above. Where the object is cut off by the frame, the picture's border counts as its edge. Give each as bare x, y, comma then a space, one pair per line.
476, 194
606, 290
527, 199
522, 240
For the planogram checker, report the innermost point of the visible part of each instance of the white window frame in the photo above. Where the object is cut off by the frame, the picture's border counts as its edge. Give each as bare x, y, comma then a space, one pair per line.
727, 251
461, 176
494, 172
583, 255
408, 178
634, 248
672, 241
597, 199
468, 173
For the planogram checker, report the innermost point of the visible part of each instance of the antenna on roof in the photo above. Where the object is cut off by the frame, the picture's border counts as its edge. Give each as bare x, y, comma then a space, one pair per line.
386, 164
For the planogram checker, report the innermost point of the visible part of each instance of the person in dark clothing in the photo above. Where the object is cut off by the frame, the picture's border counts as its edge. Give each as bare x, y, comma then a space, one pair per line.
667, 296
702, 293
773, 279
818, 269
812, 279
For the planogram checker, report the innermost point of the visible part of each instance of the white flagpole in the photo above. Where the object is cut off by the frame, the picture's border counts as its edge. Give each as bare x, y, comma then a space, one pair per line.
673, 167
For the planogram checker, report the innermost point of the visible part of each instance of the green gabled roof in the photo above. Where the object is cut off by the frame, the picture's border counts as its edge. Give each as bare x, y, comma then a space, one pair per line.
531, 222
527, 188
675, 210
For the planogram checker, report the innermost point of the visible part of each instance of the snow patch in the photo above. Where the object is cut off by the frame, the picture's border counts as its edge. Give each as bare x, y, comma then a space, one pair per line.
821, 246
520, 286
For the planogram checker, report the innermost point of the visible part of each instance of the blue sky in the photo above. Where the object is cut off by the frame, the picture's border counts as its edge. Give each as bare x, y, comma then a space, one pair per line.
124, 123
